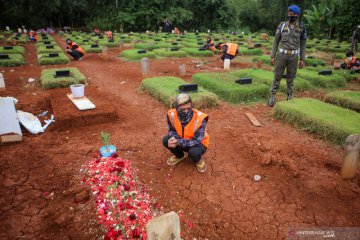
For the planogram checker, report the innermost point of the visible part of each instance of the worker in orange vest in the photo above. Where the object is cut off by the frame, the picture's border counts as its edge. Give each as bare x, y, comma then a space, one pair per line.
265, 36
187, 132
74, 50
97, 32
109, 34
228, 50
33, 36
209, 45
350, 62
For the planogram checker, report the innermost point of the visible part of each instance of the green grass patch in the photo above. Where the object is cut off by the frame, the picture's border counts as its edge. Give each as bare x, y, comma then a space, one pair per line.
198, 53
252, 52
223, 84
164, 89
108, 44
331, 122
44, 59
345, 99
331, 81
43, 49
267, 77
347, 74
165, 52
14, 50
48, 80
14, 60
133, 54
89, 49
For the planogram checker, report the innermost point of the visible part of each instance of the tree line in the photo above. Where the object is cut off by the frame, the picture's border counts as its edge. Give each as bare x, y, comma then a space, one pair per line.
323, 18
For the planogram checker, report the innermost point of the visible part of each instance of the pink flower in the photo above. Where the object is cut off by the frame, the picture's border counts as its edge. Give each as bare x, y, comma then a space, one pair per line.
120, 164
126, 187
111, 235
132, 216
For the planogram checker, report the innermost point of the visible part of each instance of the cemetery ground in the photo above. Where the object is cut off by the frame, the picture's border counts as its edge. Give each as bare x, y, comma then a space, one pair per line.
41, 195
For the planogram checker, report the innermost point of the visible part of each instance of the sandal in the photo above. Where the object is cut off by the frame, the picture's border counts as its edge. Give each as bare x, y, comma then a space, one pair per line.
201, 167
174, 160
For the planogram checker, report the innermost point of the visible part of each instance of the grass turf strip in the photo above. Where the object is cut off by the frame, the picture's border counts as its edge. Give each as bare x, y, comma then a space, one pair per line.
345, 99
48, 79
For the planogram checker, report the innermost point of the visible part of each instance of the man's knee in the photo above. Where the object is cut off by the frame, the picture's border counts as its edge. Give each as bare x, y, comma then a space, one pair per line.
165, 140
195, 153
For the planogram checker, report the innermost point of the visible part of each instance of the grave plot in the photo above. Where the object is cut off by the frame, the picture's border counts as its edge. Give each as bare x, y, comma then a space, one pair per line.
109, 43
12, 50
18, 38
267, 77
60, 77
323, 81
92, 48
349, 75
309, 61
331, 122
196, 52
10, 60
149, 46
68, 116
52, 58
165, 89
249, 51
224, 85
136, 54
345, 99
170, 52
43, 49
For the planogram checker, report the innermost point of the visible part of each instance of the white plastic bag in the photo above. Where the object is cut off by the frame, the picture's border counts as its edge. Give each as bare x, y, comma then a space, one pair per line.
30, 122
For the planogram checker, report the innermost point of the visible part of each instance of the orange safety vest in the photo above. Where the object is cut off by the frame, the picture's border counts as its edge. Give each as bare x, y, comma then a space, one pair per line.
31, 33
265, 36
77, 49
232, 48
109, 34
351, 63
36, 37
189, 131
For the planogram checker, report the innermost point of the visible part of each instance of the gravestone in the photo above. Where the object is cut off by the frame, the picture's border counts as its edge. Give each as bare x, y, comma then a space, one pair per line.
4, 56
47, 42
145, 67
49, 47
8, 47
227, 64
174, 49
121, 44
166, 227
182, 70
62, 73
2, 82
244, 81
52, 55
191, 87
104, 52
141, 51
94, 45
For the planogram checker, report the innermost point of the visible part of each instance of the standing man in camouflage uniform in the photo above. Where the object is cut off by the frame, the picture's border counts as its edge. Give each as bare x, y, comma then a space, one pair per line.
355, 40
291, 36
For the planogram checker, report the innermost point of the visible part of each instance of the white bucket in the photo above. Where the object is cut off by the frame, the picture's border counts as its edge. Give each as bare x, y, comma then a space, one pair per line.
77, 90
226, 64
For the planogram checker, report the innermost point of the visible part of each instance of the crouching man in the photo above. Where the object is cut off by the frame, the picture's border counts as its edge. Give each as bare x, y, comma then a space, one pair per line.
187, 132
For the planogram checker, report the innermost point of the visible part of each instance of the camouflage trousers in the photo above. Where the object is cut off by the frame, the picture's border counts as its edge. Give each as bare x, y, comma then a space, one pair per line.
290, 63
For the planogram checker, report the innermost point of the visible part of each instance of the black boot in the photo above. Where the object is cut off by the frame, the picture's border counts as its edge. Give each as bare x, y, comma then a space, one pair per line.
290, 96
271, 101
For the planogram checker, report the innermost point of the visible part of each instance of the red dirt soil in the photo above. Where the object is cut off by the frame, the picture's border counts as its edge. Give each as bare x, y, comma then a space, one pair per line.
41, 196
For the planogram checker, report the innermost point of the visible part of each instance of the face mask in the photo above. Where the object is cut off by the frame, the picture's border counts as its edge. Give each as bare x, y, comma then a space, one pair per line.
349, 58
293, 18
184, 115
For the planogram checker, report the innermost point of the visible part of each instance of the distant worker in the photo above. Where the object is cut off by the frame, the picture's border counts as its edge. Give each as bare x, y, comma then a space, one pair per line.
74, 50
291, 36
228, 50
109, 35
355, 40
264, 36
187, 132
166, 26
97, 32
33, 36
209, 45
176, 30
350, 62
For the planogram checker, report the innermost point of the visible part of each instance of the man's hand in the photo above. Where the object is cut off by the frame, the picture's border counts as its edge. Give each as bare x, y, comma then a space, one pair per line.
301, 64
272, 61
172, 143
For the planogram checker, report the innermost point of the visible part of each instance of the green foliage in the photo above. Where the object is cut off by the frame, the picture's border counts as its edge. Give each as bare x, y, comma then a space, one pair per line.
164, 89
253, 52
345, 99
223, 84
332, 123
198, 53
89, 49
14, 60
15, 50
105, 139
48, 79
